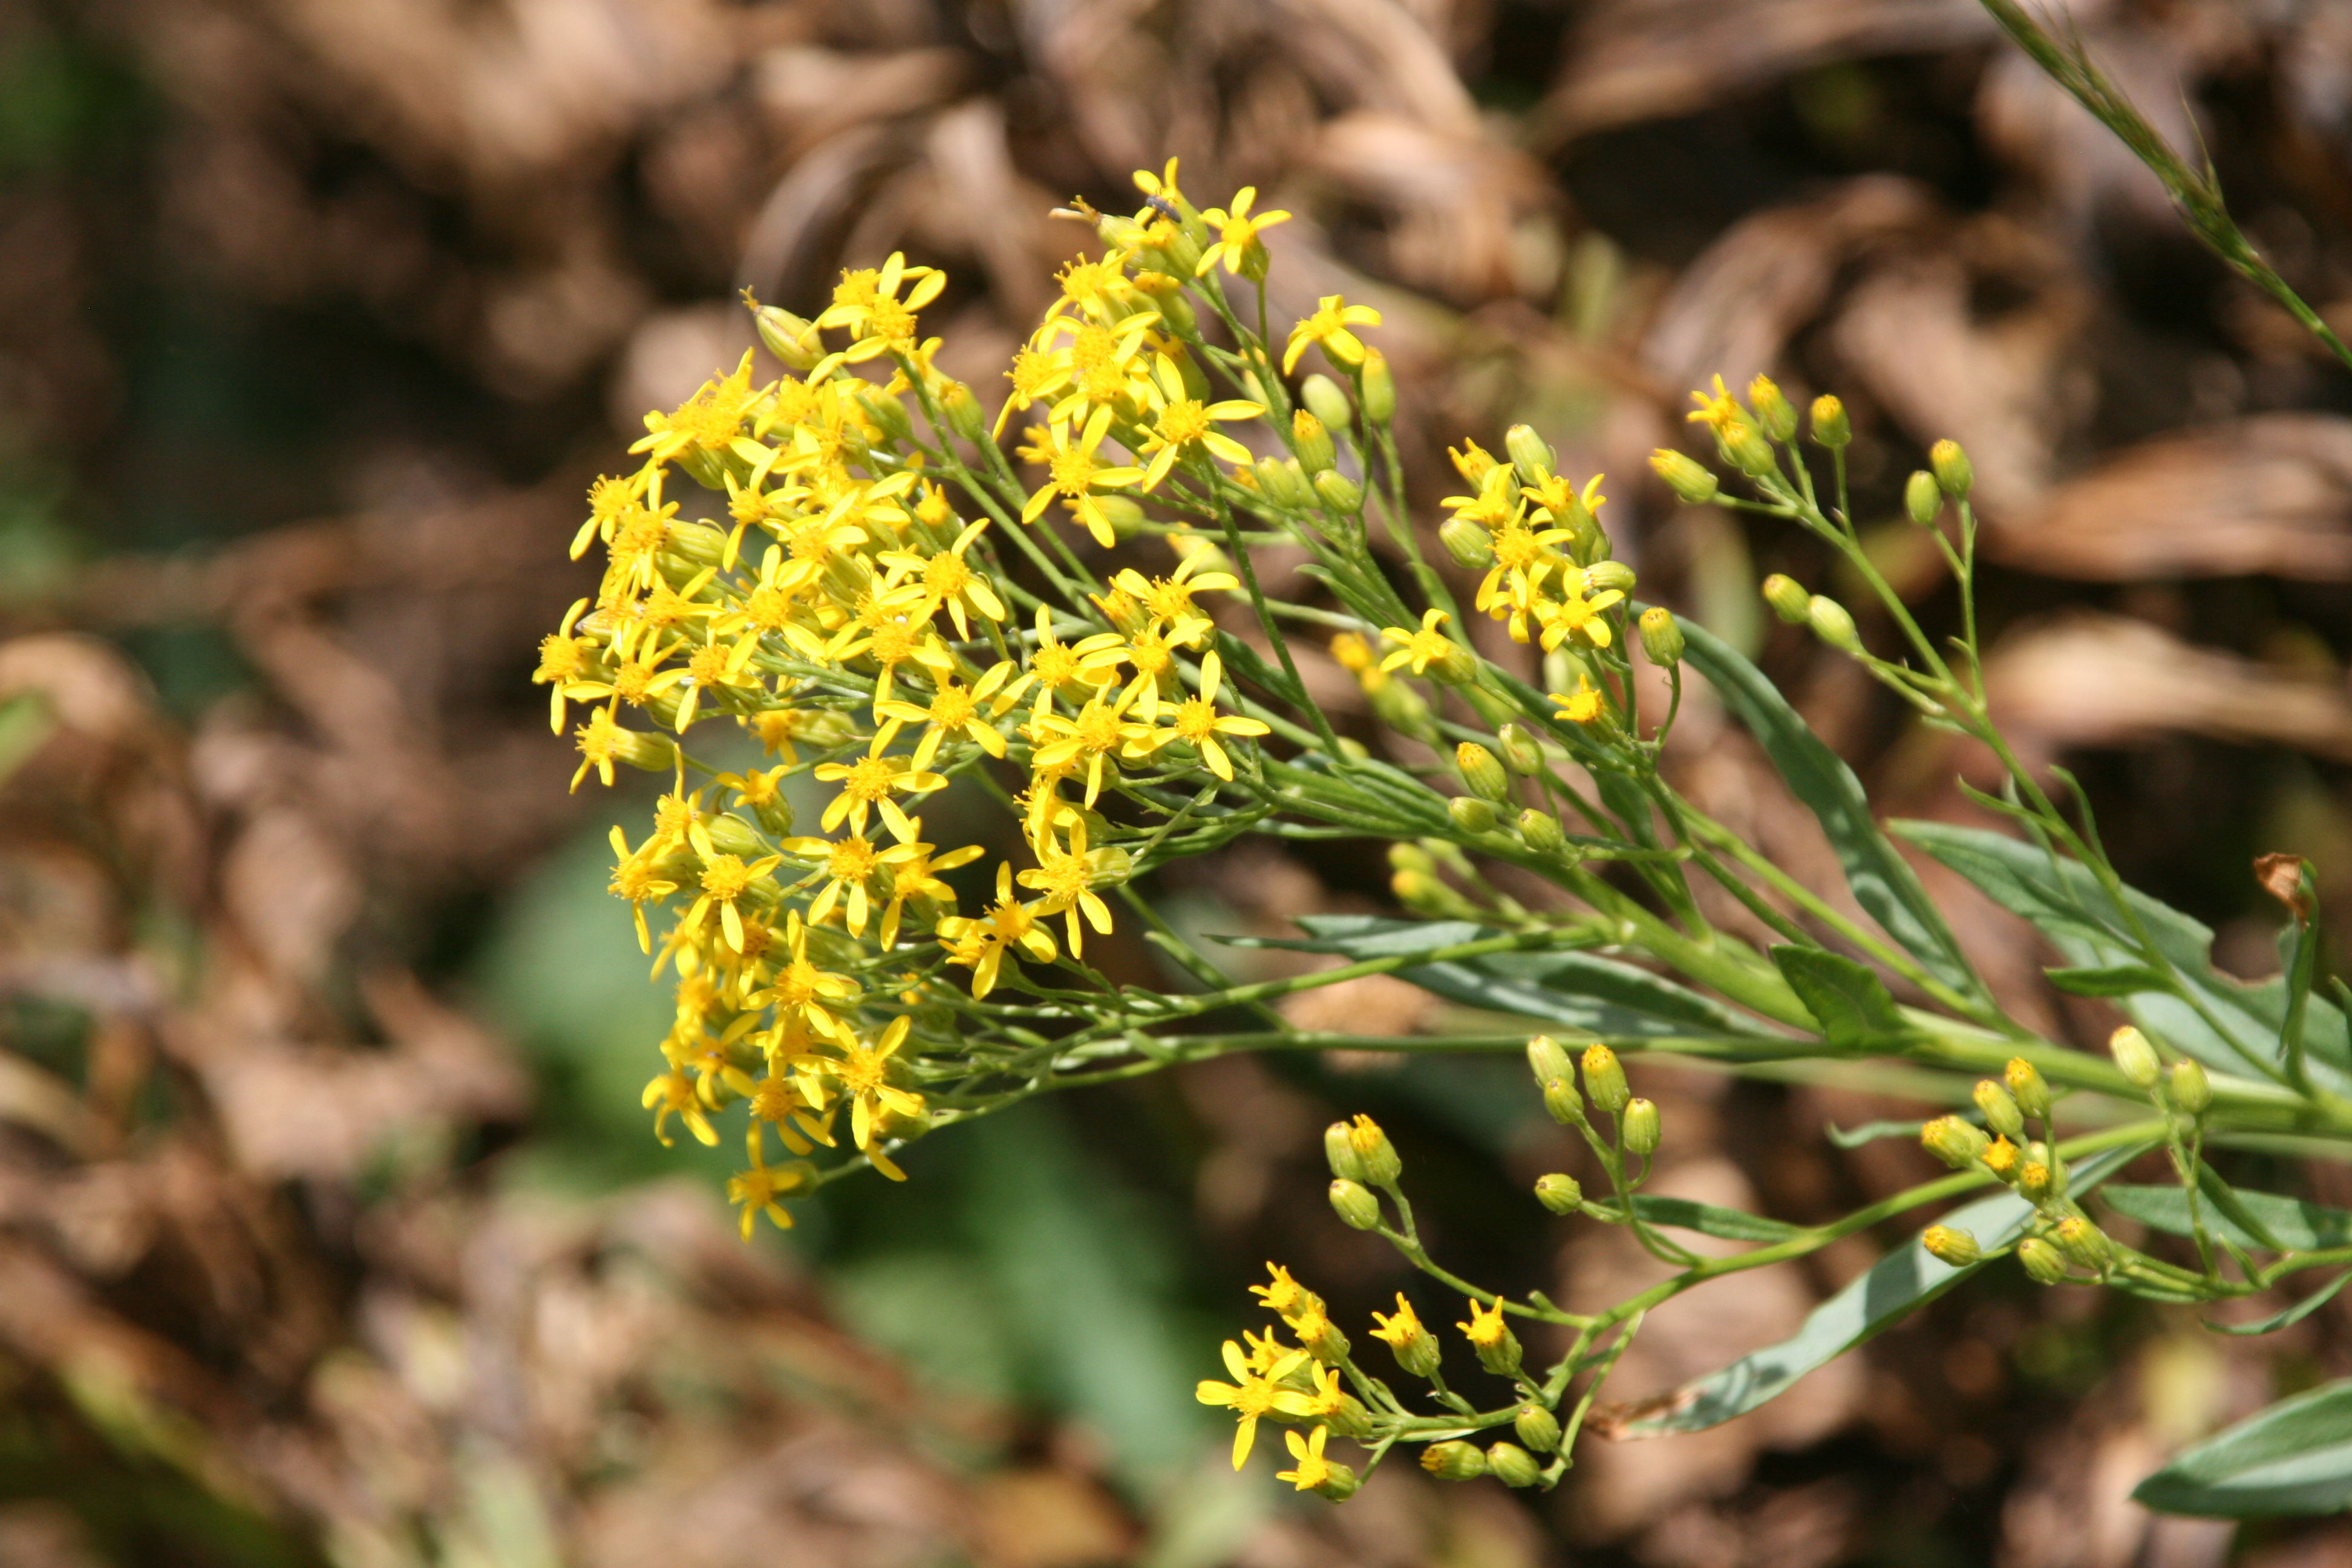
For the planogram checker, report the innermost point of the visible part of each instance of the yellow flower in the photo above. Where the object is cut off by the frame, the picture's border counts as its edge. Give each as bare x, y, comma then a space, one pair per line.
1721, 412
1577, 616
1581, 706
710, 421
1281, 1294
1523, 560
917, 875
755, 1191
946, 579
868, 784
1328, 326
981, 944
1485, 1329
883, 321
1090, 735
1399, 1328
953, 711
1250, 1396
1423, 648
802, 991
1169, 598
727, 880
635, 878
674, 1094
1237, 242
563, 658
1054, 666
1076, 472
1066, 878
1197, 723
863, 1073
1310, 1469
1184, 421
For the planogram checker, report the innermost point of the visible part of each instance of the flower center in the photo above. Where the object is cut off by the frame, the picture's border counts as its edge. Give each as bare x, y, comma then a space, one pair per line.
869, 779
724, 878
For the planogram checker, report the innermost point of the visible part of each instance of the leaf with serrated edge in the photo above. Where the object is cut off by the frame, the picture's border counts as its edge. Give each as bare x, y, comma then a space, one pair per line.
2295, 1458
1905, 1279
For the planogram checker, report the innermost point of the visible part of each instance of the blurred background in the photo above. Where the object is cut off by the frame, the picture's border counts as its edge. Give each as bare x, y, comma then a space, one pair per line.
329, 1229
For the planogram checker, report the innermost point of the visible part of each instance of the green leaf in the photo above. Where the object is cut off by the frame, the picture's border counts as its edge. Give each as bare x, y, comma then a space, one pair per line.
1870, 1132
2293, 1315
1728, 1224
2067, 904
2295, 1458
1882, 881
2293, 1224
1907, 1278
2109, 980
1847, 999
1578, 990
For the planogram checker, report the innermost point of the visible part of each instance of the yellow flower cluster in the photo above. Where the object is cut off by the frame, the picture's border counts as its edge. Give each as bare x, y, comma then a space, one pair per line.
1293, 1384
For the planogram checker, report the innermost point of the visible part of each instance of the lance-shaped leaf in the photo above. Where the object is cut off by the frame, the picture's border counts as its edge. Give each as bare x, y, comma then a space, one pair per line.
2287, 1318
2284, 1224
1882, 882
1904, 1280
1708, 1219
1849, 1003
1579, 991
2233, 1027
2295, 1458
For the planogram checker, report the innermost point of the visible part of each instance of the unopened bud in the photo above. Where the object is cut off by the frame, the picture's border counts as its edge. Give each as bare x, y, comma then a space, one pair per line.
1355, 1206
1541, 832
1520, 750
2043, 1263
1124, 514
1692, 481
1563, 1194
1341, 493
730, 835
1531, 454
2192, 1092
1662, 639
1604, 1079
2028, 1087
1953, 470
1482, 772
648, 753
1832, 623
1311, 442
1327, 402
2033, 1182
1458, 666
1467, 541
1831, 428
1602, 576
1773, 410
1422, 893
1454, 1461
1787, 597
1537, 1427
962, 410
2002, 1158
1747, 450
1921, 499
1339, 1152
1641, 1128
2134, 1057
1548, 1060
1471, 815
788, 337
1380, 387
1957, 1247
2000, 1111
1562, 1102
1282, 480
2086, 1243
1954, 1141
1382, 1164
1512, 1465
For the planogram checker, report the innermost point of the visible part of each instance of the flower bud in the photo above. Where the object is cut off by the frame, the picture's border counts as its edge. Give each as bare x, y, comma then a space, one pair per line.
2000, 1113
1562, 1102
1379, 387
1471, 815
1531, 454
1957, 1247
1541, 831
1355, 1206
1921, 499
1454, 1461
1520, 750
787, 336
1563, 1194
1787, 598
962, 410
1748, 451
2027, 1086
1662, 639
2002, 1158
1482, 772
2192, 1092
1954, 1141
1537, 1427
1283, 481
2043, 1265
889, 416
2087, 1244
1773, 410
1339, 1152
774, 814
2134, 1057
2033, 1182
1604, 576
1641, 1130
1832, 623
1312, 442
1124, 514
1341, 493
1692, 481
1604, 1079
648, 753
1548, 1060
730, 835
1458, 666
1422, 893
1327, 402
1831, 428
1953, 470
1382, 1164
1512, 1465
1469, 544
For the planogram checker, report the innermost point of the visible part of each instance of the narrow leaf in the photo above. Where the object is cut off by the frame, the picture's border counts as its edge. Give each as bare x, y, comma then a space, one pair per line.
1903, 1280
1883, 883
2108, 979
2293, 1226
1847, 999
1869, 1132
2295, 1458
1727, 1224
2293, 1315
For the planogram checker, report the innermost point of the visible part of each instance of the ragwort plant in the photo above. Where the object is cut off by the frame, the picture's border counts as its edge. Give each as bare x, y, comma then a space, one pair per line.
898, 596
